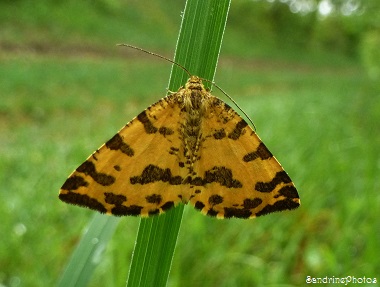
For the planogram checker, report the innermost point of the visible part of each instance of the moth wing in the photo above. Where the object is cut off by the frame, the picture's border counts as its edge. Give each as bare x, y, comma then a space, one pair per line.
241, 178
137, 171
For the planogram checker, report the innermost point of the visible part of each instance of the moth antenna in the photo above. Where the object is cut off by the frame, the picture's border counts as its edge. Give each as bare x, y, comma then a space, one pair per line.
187, 71
157, 55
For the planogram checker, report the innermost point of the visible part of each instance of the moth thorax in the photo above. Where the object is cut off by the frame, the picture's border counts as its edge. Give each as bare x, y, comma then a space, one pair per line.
194, 102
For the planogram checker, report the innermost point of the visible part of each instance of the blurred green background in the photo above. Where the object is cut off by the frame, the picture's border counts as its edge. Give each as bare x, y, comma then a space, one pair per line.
307, 72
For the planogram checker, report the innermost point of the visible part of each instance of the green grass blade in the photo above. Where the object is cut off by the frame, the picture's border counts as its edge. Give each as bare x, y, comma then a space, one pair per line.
197, 49
87, 255
200, 40
154, 249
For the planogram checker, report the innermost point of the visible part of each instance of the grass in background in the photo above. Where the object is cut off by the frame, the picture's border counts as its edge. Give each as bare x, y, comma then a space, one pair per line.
321, 122
72, 25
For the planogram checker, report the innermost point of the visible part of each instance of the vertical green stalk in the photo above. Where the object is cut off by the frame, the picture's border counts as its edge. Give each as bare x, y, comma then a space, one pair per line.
198, 48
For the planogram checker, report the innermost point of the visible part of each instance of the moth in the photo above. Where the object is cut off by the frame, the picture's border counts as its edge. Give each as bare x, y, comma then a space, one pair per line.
190, 146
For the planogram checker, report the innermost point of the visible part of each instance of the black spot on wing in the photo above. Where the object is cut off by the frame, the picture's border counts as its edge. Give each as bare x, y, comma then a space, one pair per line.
236, 212
223, 176
119, 209
74, 182
116, 199
286, 204
219, 134
199, 205
288, 192
281, 177
167, 205
261, 152
197, 181
82, 200
238, 130
133, 210
215, 199
88, 168
212, 212
154, 198
165, 131
148, 125
252, 203
153, 173
117, 143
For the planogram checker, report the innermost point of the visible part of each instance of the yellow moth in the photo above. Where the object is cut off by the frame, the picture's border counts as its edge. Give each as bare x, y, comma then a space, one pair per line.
188, 147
